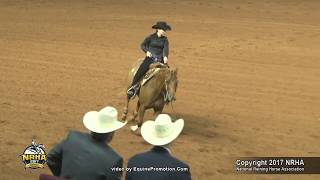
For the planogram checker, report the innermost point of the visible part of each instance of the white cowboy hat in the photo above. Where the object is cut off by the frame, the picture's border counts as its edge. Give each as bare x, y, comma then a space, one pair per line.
103, 121
162, 131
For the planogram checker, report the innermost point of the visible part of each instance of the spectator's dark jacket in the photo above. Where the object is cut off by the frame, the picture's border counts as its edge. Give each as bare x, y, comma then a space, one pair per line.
80, 157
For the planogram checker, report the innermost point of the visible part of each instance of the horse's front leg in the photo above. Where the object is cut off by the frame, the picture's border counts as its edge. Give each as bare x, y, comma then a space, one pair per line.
136, 128
141, 111
158, 107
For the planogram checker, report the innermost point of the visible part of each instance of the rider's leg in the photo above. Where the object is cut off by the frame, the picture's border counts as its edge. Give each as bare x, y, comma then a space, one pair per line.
144, 67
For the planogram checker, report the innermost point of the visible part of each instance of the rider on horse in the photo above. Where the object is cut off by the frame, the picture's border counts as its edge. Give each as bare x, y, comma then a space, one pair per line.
156, 47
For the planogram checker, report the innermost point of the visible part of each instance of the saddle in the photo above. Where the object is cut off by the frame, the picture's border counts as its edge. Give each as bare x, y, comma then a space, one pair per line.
153, 70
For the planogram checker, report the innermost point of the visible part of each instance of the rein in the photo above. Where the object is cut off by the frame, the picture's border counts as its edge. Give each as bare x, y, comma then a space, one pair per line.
166, 93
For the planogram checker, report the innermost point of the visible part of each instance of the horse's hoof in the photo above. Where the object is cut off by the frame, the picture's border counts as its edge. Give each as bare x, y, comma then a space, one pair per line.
134, 128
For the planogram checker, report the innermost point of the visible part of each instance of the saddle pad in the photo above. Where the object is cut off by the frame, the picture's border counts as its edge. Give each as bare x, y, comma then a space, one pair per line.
149, 75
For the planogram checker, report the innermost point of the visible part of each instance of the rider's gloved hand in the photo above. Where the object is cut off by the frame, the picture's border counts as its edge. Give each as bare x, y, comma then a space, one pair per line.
148, 54
165, 60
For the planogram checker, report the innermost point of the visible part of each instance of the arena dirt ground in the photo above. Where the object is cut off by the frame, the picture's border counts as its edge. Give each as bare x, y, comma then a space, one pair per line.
248, 70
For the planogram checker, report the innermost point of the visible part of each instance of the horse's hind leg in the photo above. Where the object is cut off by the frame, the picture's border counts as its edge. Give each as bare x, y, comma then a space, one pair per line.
125, 110
135, 113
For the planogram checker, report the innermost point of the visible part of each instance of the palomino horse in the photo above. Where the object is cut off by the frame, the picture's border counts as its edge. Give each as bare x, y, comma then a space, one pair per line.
155, 93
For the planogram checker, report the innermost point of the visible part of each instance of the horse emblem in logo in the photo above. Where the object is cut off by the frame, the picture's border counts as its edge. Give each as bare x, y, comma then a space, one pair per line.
34, 156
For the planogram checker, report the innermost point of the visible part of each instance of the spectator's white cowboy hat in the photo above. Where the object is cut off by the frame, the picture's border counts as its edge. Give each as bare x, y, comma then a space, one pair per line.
162, 131
103, 121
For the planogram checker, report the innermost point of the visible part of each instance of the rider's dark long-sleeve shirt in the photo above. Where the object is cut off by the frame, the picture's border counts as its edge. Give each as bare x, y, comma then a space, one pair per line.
158, 46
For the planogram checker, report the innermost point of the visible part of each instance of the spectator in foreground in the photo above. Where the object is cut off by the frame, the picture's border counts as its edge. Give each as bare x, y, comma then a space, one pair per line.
159, 163
84, 156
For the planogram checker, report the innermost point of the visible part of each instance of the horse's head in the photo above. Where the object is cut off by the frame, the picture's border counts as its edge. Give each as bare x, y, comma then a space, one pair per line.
171, 84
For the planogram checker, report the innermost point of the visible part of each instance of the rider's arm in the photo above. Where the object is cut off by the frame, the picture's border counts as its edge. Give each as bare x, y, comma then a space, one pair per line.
145, 44
165, 60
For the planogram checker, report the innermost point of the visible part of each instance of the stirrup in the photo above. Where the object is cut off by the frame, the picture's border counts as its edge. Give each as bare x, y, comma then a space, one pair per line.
132, 91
